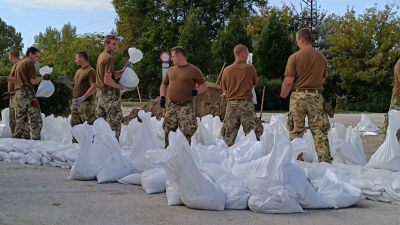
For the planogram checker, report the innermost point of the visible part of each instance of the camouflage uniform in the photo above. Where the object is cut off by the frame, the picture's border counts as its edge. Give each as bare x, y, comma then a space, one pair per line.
182, 116
29, 120
239, 112
109, 107
85, 112
311, 104
12, 115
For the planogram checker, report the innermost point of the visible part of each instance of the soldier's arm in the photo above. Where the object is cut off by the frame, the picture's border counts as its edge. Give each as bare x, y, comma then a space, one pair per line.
36, 80
286, 86
108, 80
202, 87
91, 90
118, 74
163, 89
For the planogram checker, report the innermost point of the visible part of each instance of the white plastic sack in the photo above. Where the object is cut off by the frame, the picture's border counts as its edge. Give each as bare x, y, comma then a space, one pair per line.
135, 55
5, 130
5, 117
366, 125
135, 179
129, 78
46, 89
236, 192
254, 98
45, 70
173, 194
154, 180
388, 154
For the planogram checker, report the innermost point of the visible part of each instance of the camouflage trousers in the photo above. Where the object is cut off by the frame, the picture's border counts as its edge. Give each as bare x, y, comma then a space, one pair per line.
28, 124
239, 112
179, 116
12, 115
310, 104
395, 105
108, 106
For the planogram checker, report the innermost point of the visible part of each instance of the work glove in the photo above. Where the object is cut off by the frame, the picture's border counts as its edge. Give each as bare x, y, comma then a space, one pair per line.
162, 102
46, 77
129, 64
64, 80
78, 101
129, 89
194, 92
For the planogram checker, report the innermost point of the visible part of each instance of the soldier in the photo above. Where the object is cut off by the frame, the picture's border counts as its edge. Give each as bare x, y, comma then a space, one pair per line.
28, 117
13, 56
108, 93
395, 102
237, 82
179, 86
305, 74
84, 86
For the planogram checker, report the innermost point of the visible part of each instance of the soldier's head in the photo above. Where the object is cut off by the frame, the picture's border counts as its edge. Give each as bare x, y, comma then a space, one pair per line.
304, 38
13, 55
111, 43
241, 52
33, 54
81, 58
178, 56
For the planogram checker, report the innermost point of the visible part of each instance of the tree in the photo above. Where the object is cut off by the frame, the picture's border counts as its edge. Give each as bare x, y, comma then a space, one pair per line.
9, 39
235, 33
363, 50
193, 35
275, 43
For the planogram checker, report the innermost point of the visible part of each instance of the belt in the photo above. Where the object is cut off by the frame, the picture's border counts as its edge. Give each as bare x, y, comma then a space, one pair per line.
316, 91
182, 103
239, 100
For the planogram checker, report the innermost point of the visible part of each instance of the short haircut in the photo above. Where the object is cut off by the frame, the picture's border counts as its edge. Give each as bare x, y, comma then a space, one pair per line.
32, 50
179, 49
83, 54
109, 38
14, 53
306, 34
239, 48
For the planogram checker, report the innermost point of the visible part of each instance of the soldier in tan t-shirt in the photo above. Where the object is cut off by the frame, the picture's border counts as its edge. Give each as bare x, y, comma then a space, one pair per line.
108, 90
13, 56
28, 116
237, 82
83, 87
182, 82
304, 77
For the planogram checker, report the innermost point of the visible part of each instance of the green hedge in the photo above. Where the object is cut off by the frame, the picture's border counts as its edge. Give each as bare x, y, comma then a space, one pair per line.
272, 99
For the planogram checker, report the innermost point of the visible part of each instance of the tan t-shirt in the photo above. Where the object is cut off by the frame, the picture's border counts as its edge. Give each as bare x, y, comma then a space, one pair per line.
24, 72
308, 67
11, 85
238, 80
396, 81
181, 80
105, 64
84, 77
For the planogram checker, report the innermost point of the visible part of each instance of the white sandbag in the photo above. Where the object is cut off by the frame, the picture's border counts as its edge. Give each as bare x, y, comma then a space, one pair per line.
388, 154
57, 129
18, 157
346, 145
213, 171
211, 154
129, 78
247, 149
154, 180
134, 178
145, 139
45, 70
255, 168
5, 131
236, 192
128, 133
135, 55
305, 146
4, 156
254, 96
84, 167
366, 125
46, 89
172, 193
5, 117
196, 190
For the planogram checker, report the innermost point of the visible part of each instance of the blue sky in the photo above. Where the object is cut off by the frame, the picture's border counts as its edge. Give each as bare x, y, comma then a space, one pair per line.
33, 16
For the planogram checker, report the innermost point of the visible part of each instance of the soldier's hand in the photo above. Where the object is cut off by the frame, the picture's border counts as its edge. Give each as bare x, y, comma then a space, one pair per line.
194, 92
78, 101
162, 102
64, 80
46, 77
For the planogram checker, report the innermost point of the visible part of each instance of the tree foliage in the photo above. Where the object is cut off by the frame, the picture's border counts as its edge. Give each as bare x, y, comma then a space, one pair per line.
9, 39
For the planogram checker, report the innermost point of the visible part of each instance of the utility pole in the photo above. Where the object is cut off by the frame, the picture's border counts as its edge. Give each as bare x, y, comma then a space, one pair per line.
311, 17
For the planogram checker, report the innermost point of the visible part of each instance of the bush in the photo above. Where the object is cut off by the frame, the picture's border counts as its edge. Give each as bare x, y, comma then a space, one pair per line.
272, 99
376, 103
